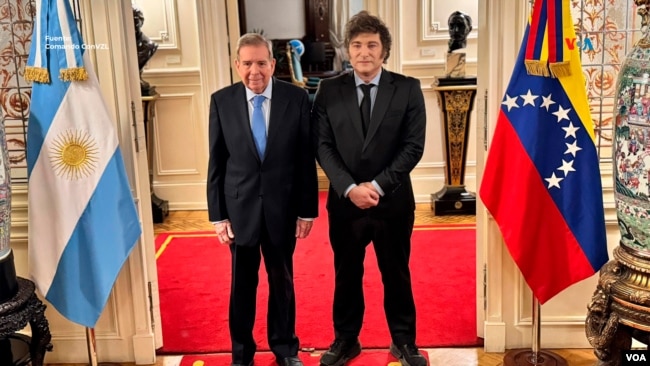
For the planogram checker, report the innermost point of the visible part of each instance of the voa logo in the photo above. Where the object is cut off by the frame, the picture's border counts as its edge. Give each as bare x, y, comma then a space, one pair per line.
635, 357
584, 44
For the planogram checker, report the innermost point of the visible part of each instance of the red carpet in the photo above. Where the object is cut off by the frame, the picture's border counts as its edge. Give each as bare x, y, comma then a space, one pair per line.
194, 283
366, 358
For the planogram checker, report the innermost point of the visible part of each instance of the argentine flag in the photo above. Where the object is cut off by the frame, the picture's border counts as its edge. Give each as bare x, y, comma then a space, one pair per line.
82, 218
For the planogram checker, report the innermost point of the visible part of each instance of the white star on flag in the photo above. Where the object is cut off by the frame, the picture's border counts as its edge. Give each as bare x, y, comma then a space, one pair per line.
529, 98
546, 102
562, 113
571, 130
567, 166
553, 181
572, 148
511, 102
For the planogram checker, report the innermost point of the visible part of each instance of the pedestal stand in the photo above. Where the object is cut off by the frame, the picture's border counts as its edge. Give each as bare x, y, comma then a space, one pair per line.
524, 357
456, 100
620, 307
15, 314
159, 206
533, 356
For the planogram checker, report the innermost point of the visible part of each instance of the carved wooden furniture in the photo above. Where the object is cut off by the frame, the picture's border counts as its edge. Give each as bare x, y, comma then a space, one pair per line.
25, 308
456, 100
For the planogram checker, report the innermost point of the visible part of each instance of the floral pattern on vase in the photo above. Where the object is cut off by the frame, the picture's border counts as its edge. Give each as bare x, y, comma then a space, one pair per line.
631, 150
5, 195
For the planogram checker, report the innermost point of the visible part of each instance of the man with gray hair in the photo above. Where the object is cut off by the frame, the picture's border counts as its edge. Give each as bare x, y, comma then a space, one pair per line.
262, 194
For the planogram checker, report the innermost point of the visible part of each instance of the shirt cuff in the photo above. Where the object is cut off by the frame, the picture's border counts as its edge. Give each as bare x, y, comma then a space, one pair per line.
345, 194
377, 187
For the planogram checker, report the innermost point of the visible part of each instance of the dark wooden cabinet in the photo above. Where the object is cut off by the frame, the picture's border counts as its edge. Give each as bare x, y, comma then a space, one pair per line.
317, 20
319, 54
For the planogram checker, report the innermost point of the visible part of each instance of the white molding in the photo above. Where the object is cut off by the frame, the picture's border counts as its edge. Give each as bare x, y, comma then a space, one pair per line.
433, 19
495, 336
172, 72
426, 64
190, 97
164, 31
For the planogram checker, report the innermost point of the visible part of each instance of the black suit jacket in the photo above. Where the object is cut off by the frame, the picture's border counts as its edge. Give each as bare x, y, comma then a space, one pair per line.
242, 187
392, 147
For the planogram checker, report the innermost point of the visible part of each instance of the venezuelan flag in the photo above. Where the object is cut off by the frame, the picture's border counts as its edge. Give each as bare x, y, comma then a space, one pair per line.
542, 180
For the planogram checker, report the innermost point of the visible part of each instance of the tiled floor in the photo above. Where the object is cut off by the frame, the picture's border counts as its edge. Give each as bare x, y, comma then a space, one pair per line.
197, 220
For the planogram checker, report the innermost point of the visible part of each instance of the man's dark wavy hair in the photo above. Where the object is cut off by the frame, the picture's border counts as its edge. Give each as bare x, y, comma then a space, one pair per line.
363, 22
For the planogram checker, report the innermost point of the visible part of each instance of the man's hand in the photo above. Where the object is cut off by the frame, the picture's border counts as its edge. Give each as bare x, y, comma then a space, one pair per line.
224, 232
303, 227
370, 186
364, 197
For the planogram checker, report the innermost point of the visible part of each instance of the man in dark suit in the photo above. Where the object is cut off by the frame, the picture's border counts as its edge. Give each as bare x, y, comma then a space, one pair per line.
369, 129
262, 193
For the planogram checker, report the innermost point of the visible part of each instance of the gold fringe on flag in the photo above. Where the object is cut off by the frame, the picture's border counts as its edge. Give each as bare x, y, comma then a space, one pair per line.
37, 74
73, 74
560, 69
537, 67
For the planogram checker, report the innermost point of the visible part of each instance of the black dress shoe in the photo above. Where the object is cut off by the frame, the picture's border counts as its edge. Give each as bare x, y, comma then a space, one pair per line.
340, 352
290, 361
408, 355
242, 364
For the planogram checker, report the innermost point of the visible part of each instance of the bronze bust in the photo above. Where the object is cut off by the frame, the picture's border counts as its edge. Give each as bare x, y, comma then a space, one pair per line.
146, 48
460, 24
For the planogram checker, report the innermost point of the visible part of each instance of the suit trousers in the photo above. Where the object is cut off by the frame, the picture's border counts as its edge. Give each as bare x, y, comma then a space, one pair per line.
281, 317
391, 238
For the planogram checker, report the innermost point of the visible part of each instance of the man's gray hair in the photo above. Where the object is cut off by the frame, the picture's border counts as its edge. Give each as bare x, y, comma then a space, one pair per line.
254, 39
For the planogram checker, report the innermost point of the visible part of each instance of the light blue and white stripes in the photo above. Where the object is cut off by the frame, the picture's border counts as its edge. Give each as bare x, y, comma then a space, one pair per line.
82, 219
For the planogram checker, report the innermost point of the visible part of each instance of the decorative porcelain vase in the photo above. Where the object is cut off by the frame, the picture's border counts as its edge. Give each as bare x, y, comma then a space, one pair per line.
5, 196
620, 307
8, 281
631, 148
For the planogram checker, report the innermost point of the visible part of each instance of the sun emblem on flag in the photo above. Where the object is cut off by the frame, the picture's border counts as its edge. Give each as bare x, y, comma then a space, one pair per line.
74, 154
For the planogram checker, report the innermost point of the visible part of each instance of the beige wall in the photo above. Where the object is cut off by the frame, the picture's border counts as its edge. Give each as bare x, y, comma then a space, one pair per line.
423, 56
180, 128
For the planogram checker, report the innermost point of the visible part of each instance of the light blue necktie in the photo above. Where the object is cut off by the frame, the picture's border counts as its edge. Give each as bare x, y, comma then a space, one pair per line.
259, 125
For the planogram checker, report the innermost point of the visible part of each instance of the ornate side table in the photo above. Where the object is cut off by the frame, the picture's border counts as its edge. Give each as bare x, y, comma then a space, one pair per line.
456, 100
24, 308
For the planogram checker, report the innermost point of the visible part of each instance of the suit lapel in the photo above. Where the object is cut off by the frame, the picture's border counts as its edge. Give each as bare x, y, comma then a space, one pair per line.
279, 104
352, 104
385, 91
242, 115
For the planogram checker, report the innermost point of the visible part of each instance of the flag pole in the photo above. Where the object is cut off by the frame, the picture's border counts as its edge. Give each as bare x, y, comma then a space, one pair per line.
536, 332
90, 342
534, 356
92, 350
